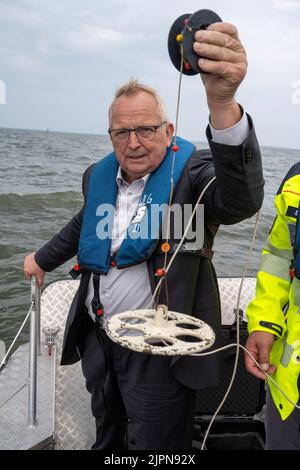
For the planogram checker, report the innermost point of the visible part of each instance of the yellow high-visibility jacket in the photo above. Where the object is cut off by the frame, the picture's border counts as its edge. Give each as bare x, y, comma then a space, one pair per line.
276, 307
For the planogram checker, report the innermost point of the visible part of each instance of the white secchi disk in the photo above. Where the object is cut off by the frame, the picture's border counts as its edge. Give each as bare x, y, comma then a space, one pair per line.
160, 332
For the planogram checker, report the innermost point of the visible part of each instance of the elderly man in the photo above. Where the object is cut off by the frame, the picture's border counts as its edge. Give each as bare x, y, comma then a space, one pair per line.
143, 401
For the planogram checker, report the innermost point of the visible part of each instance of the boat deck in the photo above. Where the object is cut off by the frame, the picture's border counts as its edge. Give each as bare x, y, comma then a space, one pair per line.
14, 401
64, 419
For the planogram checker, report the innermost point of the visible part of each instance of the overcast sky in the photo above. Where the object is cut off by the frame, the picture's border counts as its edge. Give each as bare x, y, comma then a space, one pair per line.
61, 61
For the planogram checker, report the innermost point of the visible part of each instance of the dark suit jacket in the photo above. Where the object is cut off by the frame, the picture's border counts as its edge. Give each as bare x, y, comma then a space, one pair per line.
236, 194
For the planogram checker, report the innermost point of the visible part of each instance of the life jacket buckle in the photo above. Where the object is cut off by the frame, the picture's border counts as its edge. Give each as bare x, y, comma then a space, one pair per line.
75, 271
113, 261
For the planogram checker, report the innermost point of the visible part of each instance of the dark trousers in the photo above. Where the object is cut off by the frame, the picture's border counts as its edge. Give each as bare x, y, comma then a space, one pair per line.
135, 400
281, 435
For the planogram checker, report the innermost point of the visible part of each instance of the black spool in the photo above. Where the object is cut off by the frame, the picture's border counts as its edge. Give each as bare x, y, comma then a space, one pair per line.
187, 25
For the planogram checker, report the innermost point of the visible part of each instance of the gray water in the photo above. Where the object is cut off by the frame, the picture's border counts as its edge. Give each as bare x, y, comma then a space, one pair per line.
40, 190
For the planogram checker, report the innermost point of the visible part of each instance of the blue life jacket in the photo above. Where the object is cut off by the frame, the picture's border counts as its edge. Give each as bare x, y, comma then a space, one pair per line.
95, 241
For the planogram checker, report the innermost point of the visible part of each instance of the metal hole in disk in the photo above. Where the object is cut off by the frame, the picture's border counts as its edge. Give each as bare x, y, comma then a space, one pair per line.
189, 339
133, 320
188, 326
129, 332
162, 342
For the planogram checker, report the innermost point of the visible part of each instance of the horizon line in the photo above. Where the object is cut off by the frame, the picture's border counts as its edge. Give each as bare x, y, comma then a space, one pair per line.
106, 135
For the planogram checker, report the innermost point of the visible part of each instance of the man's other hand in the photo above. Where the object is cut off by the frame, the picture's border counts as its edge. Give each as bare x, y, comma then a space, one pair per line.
259, 344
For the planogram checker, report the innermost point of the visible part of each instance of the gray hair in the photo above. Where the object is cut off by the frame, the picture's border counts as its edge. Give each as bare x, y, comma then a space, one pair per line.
133, 87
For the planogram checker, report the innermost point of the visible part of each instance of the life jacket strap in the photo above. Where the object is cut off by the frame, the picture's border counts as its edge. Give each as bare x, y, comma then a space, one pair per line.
97, 306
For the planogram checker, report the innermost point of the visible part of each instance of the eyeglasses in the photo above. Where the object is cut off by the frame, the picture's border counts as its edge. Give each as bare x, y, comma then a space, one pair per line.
142, 133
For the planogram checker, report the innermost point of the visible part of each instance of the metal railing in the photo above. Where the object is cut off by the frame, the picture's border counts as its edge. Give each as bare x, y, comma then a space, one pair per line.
34, 351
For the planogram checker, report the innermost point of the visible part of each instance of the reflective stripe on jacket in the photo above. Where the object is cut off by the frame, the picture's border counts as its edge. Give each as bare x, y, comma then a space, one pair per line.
276, 307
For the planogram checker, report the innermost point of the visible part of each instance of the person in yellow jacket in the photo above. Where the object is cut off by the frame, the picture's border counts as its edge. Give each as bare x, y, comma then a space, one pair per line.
274, 318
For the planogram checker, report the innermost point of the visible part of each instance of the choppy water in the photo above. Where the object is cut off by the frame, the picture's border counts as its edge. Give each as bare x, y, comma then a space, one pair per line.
40, 190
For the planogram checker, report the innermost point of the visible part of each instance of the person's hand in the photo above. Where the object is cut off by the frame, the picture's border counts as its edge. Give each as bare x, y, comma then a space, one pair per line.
31, 268
224, 57
259, 344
